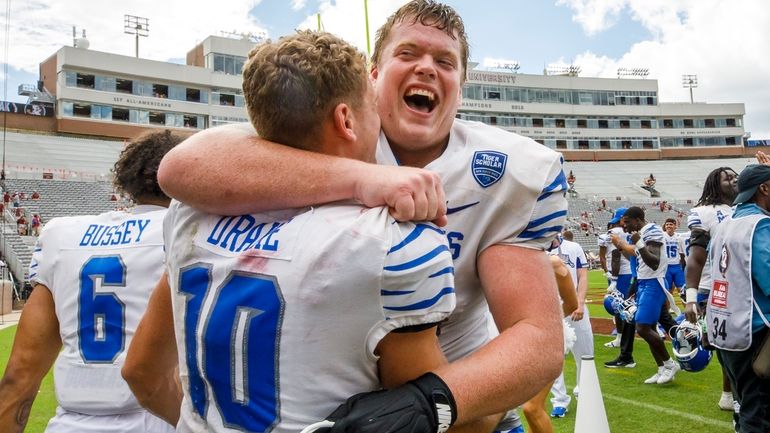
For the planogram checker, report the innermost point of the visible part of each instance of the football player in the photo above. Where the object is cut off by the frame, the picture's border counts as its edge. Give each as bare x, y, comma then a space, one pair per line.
574, 258
675, 250
506, 203
651, 294
713, 207
280, 316
92, 277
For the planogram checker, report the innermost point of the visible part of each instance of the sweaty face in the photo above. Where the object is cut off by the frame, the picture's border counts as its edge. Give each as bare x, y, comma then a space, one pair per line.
728, 182
418, 81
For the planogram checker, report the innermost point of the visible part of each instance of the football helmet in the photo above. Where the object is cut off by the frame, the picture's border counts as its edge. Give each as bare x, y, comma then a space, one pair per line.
687, 339
627, 310
612, 301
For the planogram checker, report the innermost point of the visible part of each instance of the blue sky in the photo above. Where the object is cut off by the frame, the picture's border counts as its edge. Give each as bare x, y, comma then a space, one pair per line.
720, 40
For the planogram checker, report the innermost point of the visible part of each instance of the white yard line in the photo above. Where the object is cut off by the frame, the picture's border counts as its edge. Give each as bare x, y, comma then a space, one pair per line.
697, 418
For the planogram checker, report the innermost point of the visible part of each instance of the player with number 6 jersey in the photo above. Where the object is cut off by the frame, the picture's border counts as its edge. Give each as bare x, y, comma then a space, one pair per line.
92, 277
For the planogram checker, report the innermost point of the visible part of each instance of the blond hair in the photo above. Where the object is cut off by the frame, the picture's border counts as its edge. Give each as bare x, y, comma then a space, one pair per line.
290, 85
428, 13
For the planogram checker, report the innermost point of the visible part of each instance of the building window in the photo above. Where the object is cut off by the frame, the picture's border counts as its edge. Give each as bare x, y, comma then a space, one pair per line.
646, 124
560, 123
688, 123
709, 123
85, 80
688, 142
193, 95
625, 124
225, 99
583, 144
120, 114
81, 110
647, 144
157, 118
668, 123
625, 144
603, 124
730, 122
537, 123
493, 95
561, 144
123, 85
729, 140
160, 91
604, 144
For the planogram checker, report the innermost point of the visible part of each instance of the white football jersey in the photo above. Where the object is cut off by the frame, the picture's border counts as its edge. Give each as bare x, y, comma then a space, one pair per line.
686, 240
707, 218
573, 256
277, 315
673, 245
606, 241
651, 232
100, 270
501, 188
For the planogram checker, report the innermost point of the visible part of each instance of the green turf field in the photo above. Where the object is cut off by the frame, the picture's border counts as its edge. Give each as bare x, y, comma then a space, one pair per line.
631, 406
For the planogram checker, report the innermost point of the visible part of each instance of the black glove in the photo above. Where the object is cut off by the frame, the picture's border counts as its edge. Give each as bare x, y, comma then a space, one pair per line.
424, 405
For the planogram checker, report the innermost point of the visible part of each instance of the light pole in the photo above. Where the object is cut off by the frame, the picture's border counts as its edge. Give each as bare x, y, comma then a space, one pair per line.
690, 81
138, 26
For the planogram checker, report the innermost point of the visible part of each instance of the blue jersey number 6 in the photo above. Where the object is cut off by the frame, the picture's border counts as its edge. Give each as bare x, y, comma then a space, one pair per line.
101, 315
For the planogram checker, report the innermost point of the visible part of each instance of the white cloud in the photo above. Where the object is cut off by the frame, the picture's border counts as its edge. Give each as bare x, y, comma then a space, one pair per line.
722, 42
39, 28
594, 15
298, 4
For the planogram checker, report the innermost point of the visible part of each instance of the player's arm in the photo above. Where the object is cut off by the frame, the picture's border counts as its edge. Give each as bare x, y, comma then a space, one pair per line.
699, 240
407, 355
565, 285
151, 363
649, 252
501, 374
603, 258
582, 292
228, 170
35, 348
626, 249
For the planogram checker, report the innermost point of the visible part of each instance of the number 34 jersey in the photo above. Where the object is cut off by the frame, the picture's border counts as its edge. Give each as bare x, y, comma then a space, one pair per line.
278, 315
100, 270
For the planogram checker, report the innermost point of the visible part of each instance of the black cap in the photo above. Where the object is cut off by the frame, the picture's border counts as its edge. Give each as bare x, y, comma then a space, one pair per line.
749, 180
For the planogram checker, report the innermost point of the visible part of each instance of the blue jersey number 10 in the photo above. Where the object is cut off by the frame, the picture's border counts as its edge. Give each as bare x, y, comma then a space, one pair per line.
239, 338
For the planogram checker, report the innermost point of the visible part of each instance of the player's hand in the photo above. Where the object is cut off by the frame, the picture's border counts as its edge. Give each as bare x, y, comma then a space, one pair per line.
424, 405
577, 315
762, 158
412, 194
613, 287
691, 312
635, 237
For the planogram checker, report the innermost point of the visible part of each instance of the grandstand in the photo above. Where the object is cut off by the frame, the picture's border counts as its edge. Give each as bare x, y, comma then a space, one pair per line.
73, 174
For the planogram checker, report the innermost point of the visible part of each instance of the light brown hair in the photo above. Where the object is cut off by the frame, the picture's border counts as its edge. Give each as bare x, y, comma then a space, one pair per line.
428, 13
290, 85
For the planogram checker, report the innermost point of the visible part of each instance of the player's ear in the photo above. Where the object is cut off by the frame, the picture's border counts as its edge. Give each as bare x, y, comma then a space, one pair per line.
344, 121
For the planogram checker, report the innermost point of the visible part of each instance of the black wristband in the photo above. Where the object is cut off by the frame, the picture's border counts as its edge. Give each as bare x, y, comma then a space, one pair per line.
441, 399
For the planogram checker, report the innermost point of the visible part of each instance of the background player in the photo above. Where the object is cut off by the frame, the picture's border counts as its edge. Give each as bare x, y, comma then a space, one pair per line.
504, 211
92, 276
281, 316
534, 409
651, 294
675, 256
574, 258
714, 205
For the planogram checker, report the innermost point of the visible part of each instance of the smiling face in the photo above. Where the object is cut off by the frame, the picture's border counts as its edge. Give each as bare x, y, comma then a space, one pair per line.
670, 228
419, 84
728, 183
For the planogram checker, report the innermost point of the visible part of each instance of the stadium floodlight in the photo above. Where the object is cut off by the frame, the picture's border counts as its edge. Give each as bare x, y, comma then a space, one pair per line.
570, 71
138, 26
690, 82
510, 66
633, 72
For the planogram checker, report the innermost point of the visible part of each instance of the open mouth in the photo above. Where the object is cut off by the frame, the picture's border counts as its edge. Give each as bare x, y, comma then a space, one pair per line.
420, 100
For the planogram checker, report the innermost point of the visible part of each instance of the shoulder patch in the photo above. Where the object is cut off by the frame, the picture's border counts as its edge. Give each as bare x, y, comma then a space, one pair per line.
488, 167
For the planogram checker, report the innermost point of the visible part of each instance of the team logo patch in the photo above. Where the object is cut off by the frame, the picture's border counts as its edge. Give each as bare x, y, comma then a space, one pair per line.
488, 167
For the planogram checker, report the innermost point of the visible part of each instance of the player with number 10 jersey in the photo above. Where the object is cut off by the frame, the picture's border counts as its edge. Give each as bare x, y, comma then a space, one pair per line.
277, 315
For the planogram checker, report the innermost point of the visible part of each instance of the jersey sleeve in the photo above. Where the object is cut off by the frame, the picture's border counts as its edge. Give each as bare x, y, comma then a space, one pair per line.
417, 279
694, 221
549, 213
653, 233
602, 240
582, 261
